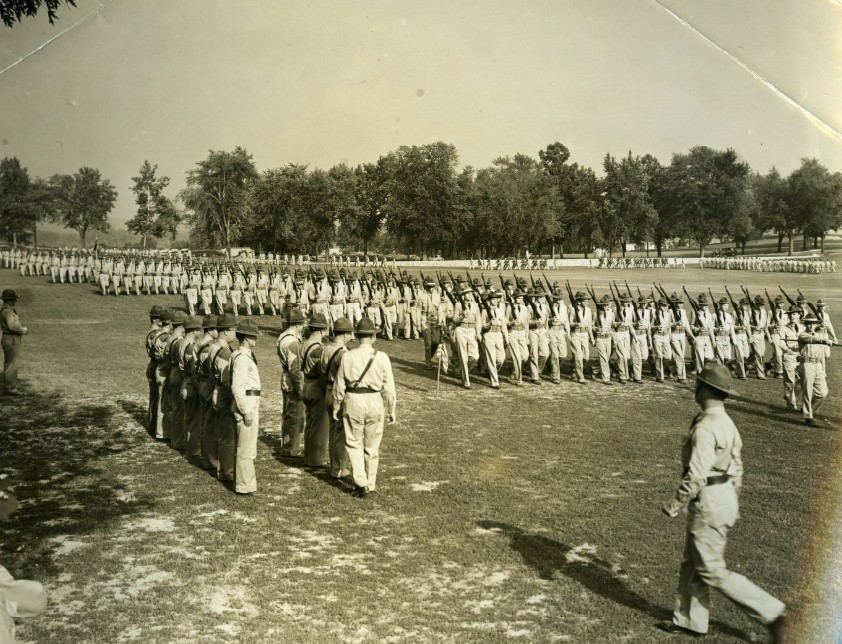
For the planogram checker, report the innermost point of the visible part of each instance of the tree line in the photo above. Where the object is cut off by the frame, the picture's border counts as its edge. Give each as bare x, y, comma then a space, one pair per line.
417, 200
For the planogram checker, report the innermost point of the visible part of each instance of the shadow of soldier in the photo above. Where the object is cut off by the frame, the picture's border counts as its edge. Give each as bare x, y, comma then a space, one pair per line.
54, 453
549, 558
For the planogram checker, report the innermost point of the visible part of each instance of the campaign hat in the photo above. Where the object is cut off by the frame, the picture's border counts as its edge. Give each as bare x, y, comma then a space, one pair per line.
625, 298
724, 300
155, 311
557, 294
295, 316
820, 303
342, 325
248, 327
192, 322
663, 302
209, 322
605, 300
582, 296
9, 295
810, 319
717, 376
518, 293
366, 327
178, 318
538, 292
465, 290
758, 299
318, 321
166, 315
227, 321
703, 299
675, 297
493, 293
429, 282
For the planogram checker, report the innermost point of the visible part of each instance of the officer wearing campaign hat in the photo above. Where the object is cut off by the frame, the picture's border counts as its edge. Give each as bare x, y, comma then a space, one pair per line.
711, 494
13, 332
313, 393
245, 391
288, 347
331, 358
189, 393
364, 394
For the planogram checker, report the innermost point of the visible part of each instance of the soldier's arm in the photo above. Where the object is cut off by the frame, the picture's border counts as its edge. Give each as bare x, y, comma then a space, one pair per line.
389, 394
698, 469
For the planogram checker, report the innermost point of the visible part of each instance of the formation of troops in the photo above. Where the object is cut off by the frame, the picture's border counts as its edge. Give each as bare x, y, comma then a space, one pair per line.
205, 392
770, 264
474, 328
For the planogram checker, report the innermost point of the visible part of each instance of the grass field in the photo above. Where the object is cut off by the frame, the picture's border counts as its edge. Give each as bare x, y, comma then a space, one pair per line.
530, 514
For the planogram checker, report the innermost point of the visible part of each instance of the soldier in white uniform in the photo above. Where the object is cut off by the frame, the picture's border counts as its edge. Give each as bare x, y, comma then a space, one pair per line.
245, 391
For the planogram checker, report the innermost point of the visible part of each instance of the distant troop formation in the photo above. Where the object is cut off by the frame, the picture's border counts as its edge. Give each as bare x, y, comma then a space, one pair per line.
470, 327
205, 392
770, 264
641, 262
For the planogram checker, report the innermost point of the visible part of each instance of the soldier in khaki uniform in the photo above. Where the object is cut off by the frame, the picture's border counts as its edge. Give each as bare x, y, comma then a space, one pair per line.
812, 345
331, 358
711, 482
245, 391
364, 397
288, 347
12, 332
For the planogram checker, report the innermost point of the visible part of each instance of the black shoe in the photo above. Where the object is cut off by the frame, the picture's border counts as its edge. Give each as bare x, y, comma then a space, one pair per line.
671, 627
777, 628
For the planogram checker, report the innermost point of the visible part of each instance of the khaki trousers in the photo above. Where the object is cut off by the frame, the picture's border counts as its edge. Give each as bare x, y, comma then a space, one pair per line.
363, 417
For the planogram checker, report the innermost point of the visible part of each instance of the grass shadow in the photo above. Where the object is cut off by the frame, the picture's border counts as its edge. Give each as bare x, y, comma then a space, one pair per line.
548, 557
54, 450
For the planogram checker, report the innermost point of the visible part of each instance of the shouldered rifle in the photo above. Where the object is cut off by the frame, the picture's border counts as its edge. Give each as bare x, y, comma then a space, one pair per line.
734, 305
447, 293
788, 298
693, 303
509, 297
811, 305
576, 313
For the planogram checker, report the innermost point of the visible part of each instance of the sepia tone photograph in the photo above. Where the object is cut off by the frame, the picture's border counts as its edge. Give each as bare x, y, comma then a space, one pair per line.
391, 321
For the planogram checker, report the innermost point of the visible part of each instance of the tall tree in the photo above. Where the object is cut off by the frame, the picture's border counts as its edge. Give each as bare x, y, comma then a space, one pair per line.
275, 209
83, 200
16, 216
216, 194
702, 191
154, 209
813, 198
12, 11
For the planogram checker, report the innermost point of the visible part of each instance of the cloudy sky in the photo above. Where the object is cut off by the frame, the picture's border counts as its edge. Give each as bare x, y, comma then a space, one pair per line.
330, 81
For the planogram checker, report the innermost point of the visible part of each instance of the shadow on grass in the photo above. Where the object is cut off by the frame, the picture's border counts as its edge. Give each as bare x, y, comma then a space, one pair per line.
548, 557
322, 474
53, 451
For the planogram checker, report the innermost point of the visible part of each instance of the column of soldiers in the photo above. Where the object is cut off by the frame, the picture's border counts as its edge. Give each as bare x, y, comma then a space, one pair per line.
770, 264
204, 394
471, 328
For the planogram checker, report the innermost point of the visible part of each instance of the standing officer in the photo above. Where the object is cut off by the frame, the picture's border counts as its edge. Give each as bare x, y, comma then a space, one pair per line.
288, 347
13, 332
225, 430
154, 330
713, 476
245, 391
331, 357
316, 424
364, 395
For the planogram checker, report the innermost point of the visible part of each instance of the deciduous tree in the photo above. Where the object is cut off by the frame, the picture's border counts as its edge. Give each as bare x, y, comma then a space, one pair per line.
83, 201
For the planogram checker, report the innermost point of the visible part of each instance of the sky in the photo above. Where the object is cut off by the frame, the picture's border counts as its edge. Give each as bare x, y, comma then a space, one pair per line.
323, 82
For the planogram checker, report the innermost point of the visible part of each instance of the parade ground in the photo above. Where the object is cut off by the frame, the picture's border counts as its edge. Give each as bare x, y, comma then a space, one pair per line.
529, 514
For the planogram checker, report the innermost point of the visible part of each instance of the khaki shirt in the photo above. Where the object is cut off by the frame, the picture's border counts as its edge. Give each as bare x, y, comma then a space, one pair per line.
712, 448
9, 321
379, 376
244, 378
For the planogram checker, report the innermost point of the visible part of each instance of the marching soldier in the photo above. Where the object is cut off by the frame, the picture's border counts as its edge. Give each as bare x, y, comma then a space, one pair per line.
723, 332
812, 345
539, 346
581, 335
711, 482
680, 330
824, 320
759, 330
261, 290
777, 320
704, 324
661, 337
496, 336
787, 338
623, 331
641, 339
468, 327
742, 324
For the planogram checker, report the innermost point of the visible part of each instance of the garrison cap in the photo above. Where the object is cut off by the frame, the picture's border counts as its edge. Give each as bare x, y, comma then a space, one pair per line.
318, 321
249, 328
342, 325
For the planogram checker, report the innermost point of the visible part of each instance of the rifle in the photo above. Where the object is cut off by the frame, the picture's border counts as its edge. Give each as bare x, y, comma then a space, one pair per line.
509, 297
788, 298
483, 303
444, 290
734, 304
455, 292
811, 305
693, 303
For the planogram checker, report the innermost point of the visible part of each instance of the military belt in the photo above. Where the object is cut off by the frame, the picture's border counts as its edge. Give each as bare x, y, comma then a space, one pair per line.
252, 392
362, 390
718, 480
